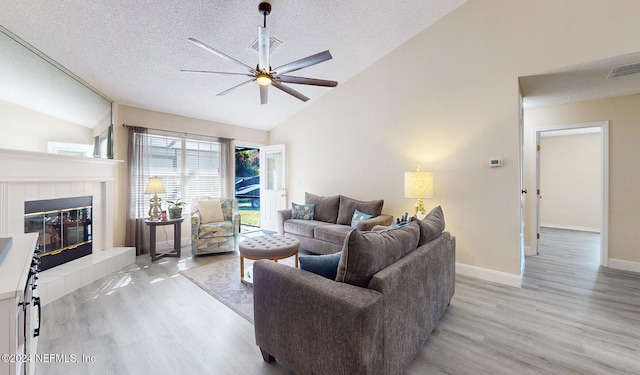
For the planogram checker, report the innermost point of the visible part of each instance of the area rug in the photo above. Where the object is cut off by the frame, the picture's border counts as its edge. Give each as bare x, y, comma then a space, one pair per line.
221, 280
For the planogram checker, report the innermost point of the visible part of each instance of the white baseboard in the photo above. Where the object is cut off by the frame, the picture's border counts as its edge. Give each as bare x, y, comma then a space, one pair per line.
572, 227
489, 275
624, 265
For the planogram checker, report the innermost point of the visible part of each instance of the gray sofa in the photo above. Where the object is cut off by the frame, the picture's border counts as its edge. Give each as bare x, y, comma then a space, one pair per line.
391, 289
331, 222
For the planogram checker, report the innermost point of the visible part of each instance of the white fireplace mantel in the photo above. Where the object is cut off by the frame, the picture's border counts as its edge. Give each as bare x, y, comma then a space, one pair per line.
27, 176
29, 166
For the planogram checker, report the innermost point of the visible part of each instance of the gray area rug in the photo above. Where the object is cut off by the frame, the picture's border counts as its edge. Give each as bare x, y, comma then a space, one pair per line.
222, 280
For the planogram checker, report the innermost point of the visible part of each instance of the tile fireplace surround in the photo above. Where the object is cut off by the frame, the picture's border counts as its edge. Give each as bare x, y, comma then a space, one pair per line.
28, 176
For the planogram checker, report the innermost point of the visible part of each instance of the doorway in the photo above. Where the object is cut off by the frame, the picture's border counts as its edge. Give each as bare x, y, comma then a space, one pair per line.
575, 176
247, 187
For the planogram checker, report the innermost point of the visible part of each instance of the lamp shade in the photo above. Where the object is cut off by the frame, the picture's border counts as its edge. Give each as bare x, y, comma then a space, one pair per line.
155, 186
418, 185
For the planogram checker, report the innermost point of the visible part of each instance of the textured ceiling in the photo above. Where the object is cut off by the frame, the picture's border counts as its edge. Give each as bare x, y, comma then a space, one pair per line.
582, 82
132, 51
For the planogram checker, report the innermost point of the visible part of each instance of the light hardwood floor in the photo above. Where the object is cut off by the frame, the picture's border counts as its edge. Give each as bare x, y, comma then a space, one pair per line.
570, 317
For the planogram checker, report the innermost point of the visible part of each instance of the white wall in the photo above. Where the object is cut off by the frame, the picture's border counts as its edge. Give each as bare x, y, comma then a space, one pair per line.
570, 181
448, 99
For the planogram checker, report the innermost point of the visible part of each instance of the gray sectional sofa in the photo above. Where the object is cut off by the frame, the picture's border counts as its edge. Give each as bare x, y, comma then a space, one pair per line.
391, 288
331, 222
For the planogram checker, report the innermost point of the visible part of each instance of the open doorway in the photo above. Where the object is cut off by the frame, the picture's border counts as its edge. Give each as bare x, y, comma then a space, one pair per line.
570, 181
248, 187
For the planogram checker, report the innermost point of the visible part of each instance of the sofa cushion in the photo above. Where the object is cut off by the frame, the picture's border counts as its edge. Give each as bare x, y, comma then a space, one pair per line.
302, 211
333, 233
301, 227
326, 208
431, 226
358, 217
349, 205
323, 265
219, 229
366, 253
210, 211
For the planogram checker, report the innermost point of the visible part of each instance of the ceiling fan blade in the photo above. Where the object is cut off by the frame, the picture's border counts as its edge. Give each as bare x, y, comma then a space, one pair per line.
211, 72
306, 81
225, 92
263, 48
303, 63
289, 91
264, 93
221, 54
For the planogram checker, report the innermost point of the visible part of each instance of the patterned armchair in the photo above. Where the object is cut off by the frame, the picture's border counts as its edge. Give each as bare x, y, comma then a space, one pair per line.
214, 236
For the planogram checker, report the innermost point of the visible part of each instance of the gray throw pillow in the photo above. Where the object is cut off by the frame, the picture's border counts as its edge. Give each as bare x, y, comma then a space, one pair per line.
431, 226
326, 208
366, 253
349, 205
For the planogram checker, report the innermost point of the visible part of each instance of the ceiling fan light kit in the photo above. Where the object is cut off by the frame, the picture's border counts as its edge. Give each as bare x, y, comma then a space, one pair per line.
263, 75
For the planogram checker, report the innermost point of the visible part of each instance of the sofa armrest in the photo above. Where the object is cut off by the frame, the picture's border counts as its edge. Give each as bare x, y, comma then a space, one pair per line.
316, 325
236, 223
195, 225
283, 215
378, 220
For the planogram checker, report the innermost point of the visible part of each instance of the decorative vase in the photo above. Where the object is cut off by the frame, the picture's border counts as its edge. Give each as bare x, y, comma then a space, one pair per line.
175, 212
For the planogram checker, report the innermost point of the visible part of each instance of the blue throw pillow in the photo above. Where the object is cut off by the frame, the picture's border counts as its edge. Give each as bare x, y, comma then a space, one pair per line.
359, 216
323, 265
302, 211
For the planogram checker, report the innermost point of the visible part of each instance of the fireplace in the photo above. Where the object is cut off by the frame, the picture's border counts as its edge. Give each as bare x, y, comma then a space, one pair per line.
64, 228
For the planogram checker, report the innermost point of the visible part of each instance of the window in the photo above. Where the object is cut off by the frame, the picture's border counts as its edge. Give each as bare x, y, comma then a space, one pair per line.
189, 168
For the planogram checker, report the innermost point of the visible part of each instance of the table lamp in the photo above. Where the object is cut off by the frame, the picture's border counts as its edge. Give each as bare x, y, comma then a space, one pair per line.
418, 185
155, 187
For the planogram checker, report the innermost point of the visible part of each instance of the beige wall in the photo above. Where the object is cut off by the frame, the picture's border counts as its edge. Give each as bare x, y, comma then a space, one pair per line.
25, 129
448, 99
623, 114
570, 181
163, 121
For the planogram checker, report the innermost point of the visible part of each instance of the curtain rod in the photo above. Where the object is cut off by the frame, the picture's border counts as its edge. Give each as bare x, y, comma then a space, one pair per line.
175, 132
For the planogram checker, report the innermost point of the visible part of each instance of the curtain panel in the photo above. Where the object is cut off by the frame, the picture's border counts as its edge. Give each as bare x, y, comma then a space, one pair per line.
228, 167
136, 232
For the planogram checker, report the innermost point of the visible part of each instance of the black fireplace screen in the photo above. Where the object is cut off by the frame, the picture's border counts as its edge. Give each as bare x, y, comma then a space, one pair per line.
61, 224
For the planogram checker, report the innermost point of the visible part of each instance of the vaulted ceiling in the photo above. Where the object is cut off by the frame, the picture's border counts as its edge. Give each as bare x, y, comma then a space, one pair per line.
133, 51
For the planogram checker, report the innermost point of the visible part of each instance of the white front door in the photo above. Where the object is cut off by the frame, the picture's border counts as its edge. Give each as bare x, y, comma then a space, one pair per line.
273, 187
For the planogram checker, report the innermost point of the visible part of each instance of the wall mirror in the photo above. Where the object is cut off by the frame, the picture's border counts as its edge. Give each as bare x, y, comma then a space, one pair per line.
32, 80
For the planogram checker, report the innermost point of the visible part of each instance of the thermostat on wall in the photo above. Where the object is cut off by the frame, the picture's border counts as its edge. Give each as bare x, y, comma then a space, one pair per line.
495, 163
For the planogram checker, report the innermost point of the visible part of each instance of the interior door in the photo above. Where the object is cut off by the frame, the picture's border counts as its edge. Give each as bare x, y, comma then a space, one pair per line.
273, 191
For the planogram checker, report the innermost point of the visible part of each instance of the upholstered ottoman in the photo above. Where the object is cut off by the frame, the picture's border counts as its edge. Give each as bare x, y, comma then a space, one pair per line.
267, 247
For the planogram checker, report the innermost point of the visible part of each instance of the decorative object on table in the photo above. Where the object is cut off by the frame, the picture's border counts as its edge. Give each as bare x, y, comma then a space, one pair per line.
403, 220
175, 208
164, 216
155, 187
418, 185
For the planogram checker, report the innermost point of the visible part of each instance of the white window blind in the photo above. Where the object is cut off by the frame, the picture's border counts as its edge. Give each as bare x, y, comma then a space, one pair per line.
188, 167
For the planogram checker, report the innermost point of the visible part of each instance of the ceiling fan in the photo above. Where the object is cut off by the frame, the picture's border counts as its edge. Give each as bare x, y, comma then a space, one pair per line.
263, 74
